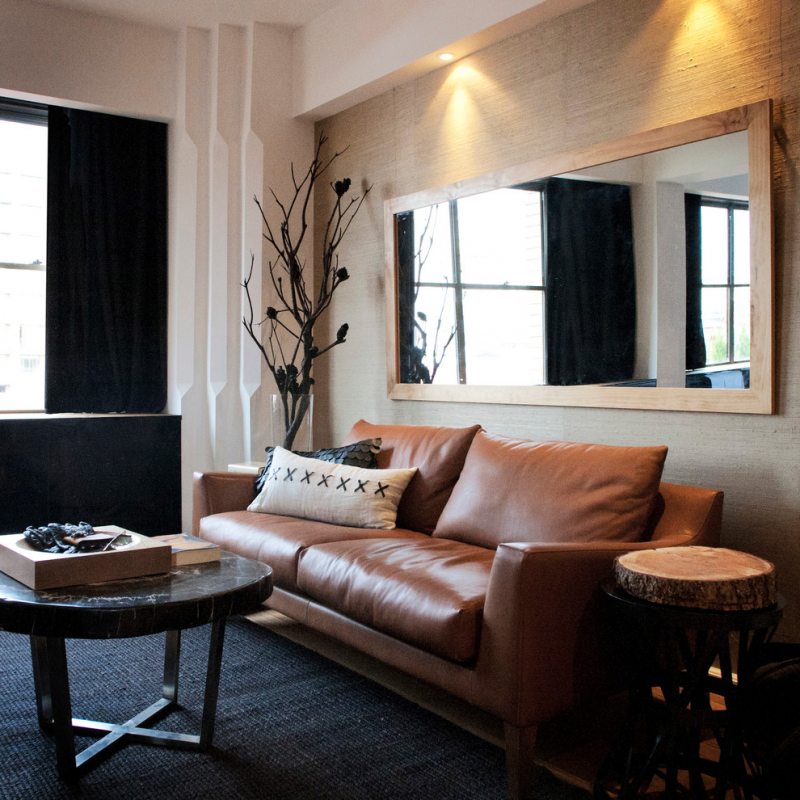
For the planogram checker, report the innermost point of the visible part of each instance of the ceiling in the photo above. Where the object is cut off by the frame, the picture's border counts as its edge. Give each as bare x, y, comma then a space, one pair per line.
386, 42
177, 14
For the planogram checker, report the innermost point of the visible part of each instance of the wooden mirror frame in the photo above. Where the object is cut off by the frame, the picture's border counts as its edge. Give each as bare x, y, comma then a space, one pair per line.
756, 119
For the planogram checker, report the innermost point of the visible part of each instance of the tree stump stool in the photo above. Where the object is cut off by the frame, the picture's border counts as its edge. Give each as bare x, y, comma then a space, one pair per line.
698, 577
691, 623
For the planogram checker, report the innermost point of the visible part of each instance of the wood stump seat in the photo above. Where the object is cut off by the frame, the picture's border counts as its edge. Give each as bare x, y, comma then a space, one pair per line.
712, 578
693, 622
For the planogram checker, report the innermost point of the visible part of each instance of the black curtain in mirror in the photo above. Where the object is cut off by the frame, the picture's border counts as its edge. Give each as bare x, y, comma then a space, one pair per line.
591, 283
695, 340
412, 367
106, 264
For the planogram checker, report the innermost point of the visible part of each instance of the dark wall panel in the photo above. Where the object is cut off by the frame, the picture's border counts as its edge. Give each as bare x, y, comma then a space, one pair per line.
104, 470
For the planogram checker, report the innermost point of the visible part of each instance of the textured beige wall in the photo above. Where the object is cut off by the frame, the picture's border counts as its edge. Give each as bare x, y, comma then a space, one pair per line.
606, 70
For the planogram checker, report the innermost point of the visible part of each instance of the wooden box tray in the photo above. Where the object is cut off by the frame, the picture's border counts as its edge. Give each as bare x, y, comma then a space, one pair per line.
39, 570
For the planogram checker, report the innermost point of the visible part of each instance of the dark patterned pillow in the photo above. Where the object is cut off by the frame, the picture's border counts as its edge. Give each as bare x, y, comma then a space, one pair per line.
359, 454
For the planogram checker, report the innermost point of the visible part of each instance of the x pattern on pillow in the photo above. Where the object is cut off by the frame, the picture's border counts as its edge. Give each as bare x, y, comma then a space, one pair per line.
328, 481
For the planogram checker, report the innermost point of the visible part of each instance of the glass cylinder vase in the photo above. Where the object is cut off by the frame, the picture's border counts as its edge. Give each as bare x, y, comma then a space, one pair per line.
292, 418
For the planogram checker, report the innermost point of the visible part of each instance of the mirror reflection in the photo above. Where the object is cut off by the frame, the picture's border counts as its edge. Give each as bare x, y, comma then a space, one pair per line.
634, 273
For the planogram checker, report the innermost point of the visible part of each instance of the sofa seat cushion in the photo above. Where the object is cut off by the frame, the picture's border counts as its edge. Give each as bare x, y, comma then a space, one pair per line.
437, 453
512, 490
278, 541
429, 593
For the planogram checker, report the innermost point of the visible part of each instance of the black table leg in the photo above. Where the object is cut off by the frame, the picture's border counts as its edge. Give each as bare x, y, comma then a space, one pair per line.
53, 704
54, 709
172, 657
41, 682
212, 683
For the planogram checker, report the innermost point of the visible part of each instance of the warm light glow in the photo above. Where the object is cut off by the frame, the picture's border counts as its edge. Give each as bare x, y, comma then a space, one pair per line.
706, 18
463, 114
446, 56
678, 37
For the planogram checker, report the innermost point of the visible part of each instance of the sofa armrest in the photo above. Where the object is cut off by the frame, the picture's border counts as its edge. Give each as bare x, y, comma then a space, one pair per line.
216, 492
689, 515
545, 642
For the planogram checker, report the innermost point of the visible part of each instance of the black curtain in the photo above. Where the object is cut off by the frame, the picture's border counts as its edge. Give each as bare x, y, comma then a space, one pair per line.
106, 264
695, 341
412, 369
591, 282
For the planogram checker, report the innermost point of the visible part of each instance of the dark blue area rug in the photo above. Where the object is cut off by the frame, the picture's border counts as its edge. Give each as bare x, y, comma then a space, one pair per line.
291, 725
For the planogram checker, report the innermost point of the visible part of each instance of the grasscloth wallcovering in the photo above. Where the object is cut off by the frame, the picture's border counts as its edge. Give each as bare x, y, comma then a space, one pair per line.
606, 70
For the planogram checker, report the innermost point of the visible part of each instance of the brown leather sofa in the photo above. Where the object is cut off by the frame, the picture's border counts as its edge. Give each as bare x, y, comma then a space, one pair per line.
489, 585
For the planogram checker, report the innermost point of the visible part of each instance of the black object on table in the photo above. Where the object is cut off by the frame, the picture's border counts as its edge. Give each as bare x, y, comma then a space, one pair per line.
183, 598
668, 652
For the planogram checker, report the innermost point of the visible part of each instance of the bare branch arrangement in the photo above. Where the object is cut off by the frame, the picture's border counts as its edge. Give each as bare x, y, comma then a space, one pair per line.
420, 371
285, 335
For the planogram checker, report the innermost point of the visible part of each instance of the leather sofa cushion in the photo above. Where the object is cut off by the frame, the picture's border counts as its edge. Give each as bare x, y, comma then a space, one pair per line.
278, 541
438, 454
427, 593
519, 491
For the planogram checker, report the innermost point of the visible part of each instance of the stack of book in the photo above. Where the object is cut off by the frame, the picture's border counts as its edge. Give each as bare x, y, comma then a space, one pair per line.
187, 549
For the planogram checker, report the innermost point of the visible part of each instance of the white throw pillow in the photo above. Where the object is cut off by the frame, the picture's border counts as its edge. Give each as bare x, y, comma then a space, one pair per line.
315, 489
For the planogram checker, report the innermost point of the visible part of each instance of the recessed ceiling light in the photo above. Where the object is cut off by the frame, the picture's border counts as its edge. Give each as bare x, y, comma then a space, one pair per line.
446, 56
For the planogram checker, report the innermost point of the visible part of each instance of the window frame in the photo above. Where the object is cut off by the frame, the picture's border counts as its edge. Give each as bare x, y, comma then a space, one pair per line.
459, 287
730, 205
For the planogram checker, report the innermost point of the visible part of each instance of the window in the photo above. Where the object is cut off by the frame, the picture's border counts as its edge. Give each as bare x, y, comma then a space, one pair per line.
23, 250
478, 290
725, 280
528, 285
88, 333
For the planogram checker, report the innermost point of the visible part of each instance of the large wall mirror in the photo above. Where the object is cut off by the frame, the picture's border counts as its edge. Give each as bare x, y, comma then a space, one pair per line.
634, 274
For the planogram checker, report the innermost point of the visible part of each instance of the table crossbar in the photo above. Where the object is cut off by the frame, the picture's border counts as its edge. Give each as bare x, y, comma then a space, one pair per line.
54, 707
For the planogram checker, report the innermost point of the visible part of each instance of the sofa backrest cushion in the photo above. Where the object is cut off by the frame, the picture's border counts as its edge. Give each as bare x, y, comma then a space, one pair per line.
437, 453
519, 491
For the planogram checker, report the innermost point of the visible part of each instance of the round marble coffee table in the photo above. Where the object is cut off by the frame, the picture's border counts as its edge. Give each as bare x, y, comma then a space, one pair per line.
185, 597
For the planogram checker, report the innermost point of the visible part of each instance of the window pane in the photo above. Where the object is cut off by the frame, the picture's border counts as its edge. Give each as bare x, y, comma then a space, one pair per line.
741, 246
23, 248
23, 193
715, 325
433, 261
741, 323
434, 323
504, 337
21, 339
500, 237
714, 227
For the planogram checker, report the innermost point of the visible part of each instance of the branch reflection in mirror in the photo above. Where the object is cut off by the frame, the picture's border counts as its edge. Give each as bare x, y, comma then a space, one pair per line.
587, 278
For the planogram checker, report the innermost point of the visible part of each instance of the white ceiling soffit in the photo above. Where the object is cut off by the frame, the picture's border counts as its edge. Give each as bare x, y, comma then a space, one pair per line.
179, 14
360, 48
346, 51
